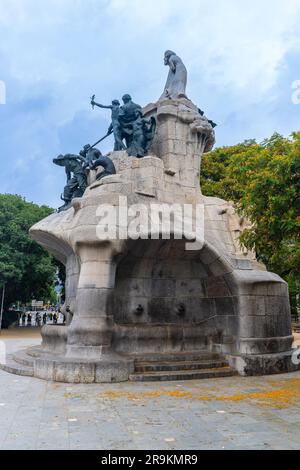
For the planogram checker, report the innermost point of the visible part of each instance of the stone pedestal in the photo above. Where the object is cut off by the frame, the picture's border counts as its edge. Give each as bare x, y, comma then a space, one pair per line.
182, 136
153, 295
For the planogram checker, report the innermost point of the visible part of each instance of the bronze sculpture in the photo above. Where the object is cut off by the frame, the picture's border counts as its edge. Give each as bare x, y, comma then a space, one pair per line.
106, 163
115, 125
129, 125
76, 177
142, 135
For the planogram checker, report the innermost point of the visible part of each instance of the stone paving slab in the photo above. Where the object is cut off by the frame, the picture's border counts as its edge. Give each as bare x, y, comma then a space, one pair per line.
225, 413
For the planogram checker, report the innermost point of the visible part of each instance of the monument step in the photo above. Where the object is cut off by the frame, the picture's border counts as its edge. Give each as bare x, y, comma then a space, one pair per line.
183, 375
13, 367
179, 365
190, 356
34, 351
21, 357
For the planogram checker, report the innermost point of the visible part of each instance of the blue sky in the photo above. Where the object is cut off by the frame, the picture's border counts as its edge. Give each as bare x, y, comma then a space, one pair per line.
242, 58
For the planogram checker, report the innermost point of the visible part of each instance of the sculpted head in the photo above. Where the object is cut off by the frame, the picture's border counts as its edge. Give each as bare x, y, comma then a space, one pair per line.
115, 102
60, 160
126, 98
167, 56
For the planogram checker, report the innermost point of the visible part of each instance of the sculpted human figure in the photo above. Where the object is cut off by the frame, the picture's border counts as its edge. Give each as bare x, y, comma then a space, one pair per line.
115, 125
76, 177
90, 155
106, 163
127, 125
138, 136
128, 110
177, 77
142, 135
127, 116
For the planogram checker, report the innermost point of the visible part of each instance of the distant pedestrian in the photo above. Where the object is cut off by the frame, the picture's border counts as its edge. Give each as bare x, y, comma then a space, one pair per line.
23, 319
55, 319
38, 319
29, 319
45, 318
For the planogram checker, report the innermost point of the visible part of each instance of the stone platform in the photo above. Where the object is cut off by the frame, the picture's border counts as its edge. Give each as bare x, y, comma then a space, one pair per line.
142, 368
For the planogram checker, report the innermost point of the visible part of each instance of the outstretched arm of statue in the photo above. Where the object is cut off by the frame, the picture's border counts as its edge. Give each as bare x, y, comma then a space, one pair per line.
93, 103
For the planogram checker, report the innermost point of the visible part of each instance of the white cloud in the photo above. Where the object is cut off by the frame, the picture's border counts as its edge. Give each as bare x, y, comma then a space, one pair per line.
241, 41
57, 53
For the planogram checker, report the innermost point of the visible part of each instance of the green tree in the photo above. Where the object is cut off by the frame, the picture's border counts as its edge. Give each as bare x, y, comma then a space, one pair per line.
264, 180
25, 268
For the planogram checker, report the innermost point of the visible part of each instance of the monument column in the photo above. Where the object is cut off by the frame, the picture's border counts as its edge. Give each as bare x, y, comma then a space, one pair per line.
90, 332
181, 138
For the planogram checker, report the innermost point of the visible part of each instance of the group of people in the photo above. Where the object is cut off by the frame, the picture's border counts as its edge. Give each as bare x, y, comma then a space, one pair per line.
42, 318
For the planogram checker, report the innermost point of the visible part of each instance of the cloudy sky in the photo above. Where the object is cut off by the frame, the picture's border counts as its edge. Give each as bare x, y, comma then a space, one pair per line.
242, 58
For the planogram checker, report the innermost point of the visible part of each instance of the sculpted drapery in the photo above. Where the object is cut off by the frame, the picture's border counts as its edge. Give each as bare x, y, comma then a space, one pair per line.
177, 77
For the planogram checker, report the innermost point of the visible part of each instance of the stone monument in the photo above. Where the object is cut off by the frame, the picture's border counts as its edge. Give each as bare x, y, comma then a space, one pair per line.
159, 305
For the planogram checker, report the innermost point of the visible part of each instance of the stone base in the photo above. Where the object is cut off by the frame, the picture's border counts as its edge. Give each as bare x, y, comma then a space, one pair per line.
201, 364
54, 338
266, 364
106, 370
37, 363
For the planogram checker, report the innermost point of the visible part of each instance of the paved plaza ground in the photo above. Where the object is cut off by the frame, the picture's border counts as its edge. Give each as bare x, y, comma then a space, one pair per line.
229, 413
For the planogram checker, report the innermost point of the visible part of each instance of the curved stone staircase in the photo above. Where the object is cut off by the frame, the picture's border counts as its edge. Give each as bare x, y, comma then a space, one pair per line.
20, 363
148, 367
181, 366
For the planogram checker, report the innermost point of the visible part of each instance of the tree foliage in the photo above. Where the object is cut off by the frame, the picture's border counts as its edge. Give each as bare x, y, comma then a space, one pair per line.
25, 268
264, 180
